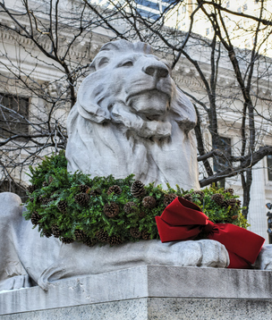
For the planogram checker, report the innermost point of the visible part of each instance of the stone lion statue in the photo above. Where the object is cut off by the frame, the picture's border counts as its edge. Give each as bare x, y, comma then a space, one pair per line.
130, 117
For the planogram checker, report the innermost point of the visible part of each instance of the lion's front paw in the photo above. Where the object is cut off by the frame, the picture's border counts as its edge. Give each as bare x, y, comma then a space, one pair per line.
264, 260
201, 253
214, 254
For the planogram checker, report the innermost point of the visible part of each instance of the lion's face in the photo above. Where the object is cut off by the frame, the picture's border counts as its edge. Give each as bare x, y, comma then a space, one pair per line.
140, 81
132, 87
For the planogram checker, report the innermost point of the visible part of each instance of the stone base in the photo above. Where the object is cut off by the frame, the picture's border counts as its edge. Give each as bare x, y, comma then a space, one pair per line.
145, 293
156, 309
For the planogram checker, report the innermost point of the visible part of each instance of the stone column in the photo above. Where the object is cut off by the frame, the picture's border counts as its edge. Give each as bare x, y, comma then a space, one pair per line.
257, 209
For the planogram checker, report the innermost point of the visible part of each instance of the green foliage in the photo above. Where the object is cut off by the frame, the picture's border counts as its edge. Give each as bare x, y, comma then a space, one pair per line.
53, 183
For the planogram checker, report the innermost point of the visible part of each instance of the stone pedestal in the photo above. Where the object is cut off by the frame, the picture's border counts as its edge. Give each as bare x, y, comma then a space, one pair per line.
145, 293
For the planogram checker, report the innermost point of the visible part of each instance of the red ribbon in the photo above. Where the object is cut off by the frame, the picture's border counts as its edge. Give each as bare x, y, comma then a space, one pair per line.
183, 220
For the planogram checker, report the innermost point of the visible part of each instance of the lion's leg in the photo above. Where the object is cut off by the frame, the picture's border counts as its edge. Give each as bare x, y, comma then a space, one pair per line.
12, 272
77, 259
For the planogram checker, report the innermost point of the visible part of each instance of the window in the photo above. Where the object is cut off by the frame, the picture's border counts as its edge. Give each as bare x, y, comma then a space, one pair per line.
239, 10
245, 7
13, 122
227, 4
222, 163
269, 167
207, 31
184, 9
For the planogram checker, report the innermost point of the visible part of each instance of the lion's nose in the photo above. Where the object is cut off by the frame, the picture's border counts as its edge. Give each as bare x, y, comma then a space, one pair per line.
156, 69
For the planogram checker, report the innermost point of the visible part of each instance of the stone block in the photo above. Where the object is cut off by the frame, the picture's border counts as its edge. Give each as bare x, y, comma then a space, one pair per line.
147, 292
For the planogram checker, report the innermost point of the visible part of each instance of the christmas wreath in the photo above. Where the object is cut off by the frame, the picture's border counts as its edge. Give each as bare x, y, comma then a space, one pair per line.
101, 210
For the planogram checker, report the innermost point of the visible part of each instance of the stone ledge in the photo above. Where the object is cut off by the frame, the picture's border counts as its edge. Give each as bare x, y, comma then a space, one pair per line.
141, 282
156, 309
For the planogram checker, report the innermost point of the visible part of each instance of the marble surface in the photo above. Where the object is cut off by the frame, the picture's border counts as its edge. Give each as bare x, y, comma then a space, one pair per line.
157, 309
142, 282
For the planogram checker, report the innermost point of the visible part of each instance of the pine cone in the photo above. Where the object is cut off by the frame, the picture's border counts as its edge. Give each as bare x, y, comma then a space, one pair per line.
48, 234
80, 235
200, 193
67, 240
111, 210
82, 199
62, 206
145, 235
115, 240
102, 236
84, 188
45, 184
225, 204
238, 202
55, 230
188, 197
137, 189
233, 202
142, 214
135, 232
218, 198
114, 189
229, 190
149, 202
31, 188
130, 207
89, 242
35, 218
168, 198
234, 217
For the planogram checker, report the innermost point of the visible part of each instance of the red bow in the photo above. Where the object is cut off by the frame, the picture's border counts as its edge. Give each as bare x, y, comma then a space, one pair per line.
183, 220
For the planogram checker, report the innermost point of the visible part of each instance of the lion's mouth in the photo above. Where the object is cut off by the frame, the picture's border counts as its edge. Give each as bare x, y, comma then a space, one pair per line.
151, 105
148, 92
153, 117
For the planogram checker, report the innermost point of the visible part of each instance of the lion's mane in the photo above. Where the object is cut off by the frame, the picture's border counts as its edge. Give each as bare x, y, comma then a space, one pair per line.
108, 136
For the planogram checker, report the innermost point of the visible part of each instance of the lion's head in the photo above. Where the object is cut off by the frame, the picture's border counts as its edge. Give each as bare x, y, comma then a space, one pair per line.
127, 84
130, 117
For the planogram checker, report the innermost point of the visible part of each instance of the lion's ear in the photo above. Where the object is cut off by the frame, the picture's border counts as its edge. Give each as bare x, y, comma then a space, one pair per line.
184, 110
92, 99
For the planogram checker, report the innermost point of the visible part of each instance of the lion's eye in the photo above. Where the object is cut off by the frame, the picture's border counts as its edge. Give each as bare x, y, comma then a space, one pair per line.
127, 63
102, 62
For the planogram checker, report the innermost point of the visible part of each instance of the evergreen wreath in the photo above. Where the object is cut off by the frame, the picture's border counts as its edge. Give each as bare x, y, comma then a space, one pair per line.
105, 210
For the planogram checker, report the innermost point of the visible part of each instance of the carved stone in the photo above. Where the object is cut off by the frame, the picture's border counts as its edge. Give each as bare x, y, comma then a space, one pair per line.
130, 117
264, 260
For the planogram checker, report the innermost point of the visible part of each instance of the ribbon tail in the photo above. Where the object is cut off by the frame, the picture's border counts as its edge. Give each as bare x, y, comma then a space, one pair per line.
239, 242
237, 262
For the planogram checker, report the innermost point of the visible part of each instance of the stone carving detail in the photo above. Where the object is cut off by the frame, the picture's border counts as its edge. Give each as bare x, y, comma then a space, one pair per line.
26, 258
264, 260
130, 117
